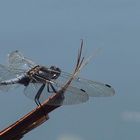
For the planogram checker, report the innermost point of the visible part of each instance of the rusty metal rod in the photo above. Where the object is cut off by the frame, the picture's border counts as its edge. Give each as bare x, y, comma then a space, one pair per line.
30, 121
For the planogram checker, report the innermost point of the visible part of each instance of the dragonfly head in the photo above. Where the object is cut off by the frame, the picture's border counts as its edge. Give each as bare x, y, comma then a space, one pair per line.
55, 71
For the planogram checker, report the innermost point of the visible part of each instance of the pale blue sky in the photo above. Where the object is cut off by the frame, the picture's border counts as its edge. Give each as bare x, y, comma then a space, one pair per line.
49, 32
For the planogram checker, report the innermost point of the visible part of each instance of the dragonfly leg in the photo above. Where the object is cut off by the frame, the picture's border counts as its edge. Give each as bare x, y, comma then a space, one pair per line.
37, 96
37, 103
54, 90
48, 88
37, 99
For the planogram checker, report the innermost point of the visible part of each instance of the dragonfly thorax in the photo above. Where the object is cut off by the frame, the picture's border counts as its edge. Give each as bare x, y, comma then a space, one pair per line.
33, 71
43, 74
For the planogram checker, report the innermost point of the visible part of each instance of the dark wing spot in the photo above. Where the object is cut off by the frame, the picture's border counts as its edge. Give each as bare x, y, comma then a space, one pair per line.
108, 85
82, 90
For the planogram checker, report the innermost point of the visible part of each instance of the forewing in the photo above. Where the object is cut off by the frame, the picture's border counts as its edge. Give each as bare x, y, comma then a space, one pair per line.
17, 65
7, 73
31, 90
71, 96
92, 88
17, 60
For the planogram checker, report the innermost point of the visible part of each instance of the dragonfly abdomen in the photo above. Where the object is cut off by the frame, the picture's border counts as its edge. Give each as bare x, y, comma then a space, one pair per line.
12, 81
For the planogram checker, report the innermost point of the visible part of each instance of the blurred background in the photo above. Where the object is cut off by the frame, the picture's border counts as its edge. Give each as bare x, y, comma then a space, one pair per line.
49, 32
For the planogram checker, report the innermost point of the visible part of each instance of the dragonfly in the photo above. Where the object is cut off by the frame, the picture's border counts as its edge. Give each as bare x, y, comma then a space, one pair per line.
40, 82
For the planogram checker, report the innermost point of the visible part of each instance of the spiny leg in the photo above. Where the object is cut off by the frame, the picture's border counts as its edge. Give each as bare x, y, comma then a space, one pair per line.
37, 96
48, 88
52, 87
54, 90
37, 99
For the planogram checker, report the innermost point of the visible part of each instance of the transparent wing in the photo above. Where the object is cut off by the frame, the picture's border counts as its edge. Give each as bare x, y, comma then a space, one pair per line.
6, 88
17, 60
72, 95
17, 65
7, 73
92, 88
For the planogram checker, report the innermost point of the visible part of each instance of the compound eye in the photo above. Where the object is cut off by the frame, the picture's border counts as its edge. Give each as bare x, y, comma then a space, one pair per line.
57, 69
53, 67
